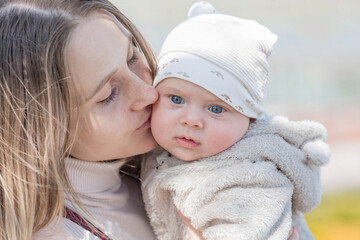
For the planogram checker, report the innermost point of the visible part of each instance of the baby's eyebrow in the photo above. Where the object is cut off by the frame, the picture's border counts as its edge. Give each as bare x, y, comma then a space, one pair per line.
171, 88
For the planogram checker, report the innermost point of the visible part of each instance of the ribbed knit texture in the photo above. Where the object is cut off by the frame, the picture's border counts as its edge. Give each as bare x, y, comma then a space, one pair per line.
237, 46
240, 46
114, 202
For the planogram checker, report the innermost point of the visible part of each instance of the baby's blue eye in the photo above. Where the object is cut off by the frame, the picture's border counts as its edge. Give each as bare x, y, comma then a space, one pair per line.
216, 109
176, 99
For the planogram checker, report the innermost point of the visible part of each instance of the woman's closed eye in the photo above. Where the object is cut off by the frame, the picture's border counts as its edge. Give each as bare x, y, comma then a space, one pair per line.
114, 92
176, 99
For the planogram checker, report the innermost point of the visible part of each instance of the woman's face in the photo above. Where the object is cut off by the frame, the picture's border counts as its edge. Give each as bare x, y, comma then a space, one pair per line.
113, 83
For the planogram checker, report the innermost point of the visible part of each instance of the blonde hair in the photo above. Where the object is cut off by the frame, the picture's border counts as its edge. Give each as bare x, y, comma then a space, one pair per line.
36, 108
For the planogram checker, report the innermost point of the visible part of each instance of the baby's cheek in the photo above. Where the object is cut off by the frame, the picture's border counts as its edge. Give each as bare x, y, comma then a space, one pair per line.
219, 144
221, 139
159, 127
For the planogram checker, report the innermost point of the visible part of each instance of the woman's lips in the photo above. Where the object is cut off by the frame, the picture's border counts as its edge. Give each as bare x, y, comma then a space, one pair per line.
186, 143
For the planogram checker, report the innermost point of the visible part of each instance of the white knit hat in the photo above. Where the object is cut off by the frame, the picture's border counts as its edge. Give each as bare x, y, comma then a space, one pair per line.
225, 55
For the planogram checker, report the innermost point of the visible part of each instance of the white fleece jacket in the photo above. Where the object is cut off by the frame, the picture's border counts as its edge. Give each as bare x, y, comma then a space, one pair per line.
256, 189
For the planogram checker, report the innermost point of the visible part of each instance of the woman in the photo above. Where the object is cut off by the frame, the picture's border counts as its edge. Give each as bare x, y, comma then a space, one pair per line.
75, 95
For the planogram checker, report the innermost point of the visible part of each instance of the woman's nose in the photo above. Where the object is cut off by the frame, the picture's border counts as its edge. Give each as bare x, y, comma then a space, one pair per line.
144, 95
192, 118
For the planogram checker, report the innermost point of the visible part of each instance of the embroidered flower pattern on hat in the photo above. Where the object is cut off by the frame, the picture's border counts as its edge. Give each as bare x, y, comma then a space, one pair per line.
174, 60
184, 74
218, 74
240, 109
164, 65
226, 97
251, 103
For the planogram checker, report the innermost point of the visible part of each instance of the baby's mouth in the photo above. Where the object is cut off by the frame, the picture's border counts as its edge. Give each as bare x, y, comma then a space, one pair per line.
186, 142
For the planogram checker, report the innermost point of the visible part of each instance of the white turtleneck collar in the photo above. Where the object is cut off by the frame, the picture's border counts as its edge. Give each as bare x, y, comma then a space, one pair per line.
114, 201
92, 177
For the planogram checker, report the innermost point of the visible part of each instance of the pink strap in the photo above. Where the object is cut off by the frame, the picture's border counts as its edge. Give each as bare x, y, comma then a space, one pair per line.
76, 218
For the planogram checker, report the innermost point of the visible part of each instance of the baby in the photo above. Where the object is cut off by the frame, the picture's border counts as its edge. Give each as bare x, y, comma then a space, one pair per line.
233, 170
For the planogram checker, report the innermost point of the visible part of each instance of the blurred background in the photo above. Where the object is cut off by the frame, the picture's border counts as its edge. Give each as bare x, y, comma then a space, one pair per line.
315, 74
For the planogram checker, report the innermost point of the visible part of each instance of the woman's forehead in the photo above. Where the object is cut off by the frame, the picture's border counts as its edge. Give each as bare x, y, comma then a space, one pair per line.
96, 48
117, 22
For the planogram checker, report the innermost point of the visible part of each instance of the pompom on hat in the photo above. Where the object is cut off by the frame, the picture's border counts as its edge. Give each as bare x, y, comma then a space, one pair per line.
224, 54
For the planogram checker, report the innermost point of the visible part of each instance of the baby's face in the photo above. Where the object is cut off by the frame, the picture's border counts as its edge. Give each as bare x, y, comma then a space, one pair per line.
192, 123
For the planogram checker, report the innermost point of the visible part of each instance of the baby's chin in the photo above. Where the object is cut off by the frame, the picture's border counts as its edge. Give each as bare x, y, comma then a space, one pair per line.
184, 157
